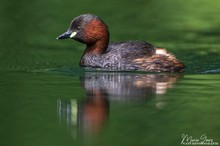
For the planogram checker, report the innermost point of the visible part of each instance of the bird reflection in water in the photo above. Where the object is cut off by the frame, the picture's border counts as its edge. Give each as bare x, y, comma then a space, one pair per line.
88, 117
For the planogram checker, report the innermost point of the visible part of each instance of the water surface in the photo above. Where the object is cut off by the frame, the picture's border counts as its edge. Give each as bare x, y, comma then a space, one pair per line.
46, 99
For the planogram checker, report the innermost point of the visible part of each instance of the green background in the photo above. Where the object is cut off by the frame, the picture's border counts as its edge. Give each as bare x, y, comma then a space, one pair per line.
37, 70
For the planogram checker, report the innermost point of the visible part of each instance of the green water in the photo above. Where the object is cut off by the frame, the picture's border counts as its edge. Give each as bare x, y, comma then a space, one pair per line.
46, 99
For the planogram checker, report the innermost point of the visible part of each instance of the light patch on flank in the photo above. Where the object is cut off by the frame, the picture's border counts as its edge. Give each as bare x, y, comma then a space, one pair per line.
161, 51
73, 34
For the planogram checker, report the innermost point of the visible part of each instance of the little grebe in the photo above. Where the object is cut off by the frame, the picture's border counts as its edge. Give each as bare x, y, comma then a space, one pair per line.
123, 56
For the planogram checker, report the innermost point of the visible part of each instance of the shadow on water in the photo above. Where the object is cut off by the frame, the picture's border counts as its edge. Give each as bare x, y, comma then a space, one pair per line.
86, 119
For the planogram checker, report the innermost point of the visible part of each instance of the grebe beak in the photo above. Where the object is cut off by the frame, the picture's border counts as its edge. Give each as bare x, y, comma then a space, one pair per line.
68, 34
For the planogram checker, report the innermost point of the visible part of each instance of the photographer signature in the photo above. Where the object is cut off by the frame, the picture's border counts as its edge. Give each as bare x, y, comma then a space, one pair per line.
202, 140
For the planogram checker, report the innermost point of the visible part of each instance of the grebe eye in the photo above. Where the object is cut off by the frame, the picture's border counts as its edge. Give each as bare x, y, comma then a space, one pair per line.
78, 27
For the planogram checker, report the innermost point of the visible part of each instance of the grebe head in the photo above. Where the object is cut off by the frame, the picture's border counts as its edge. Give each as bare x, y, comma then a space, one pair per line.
87, 29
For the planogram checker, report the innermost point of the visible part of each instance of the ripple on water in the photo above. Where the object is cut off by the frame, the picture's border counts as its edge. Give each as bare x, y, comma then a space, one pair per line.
213, 71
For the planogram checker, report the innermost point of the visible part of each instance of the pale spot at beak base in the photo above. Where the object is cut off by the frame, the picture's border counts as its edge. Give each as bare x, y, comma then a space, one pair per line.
73, 34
